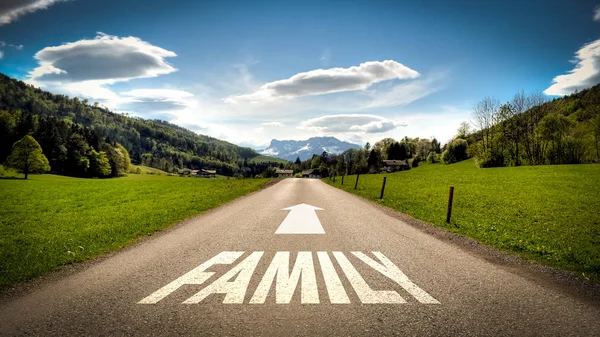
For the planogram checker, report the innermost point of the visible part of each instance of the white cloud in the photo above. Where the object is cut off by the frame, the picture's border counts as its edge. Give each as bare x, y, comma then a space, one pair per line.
403, 93
272, 124
324, 81
585, 74
88, 67
105, 58
146, 102
4, 44
10, 10
597, 14
361, 123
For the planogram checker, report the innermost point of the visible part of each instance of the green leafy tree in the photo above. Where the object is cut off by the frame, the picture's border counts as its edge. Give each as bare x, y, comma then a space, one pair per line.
27, 157
99, 164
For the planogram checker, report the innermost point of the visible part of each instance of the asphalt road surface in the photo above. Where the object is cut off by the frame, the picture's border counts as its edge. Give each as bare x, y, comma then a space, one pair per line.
361, 272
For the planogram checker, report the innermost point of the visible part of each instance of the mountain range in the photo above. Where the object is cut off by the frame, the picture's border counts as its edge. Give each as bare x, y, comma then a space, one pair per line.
304, 149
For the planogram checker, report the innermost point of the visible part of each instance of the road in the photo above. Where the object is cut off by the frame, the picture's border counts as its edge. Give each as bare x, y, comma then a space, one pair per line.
369, 273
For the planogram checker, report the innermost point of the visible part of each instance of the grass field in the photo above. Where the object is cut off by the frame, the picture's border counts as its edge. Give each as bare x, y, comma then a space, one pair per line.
547, 213
147, 170
48, 221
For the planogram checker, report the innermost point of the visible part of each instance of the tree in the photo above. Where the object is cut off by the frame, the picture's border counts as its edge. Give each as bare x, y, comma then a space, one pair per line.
463, 130
594, 125
373, 161
383, 146
397, 151
27, 157
484, 116
368, 146
436, 146
99, 165
298, 161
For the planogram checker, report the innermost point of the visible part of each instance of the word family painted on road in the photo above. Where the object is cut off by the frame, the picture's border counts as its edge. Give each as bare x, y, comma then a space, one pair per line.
278, 279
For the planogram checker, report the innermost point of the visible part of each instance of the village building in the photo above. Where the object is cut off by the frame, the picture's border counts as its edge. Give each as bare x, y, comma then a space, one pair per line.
206, 173
395, 165
314, 174
284, 173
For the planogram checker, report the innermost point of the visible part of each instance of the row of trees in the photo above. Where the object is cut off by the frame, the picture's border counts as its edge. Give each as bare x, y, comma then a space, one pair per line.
529, 130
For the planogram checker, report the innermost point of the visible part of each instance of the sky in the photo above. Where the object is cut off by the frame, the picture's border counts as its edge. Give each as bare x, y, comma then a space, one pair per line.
251, 71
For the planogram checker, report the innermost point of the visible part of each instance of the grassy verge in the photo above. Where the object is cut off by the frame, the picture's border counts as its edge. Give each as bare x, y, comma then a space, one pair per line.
48, 221
547, 213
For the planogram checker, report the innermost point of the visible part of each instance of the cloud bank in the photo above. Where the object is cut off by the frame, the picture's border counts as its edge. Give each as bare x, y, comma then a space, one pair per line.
361, 123
597, 14
325, 81
585, 74
11, 10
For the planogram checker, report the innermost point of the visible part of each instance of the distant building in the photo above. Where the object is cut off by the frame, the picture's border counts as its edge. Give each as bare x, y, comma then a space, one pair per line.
284, 173
207, 173
311, 174
395, 165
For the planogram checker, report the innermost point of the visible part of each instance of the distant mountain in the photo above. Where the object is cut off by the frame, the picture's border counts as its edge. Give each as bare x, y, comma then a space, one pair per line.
291, 149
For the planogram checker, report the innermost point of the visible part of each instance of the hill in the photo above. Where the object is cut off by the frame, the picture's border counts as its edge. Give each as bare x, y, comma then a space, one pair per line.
68, 129
529, 130
305, 149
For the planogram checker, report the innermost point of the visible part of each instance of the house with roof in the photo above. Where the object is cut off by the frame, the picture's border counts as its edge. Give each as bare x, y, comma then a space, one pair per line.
395, 165
284, 173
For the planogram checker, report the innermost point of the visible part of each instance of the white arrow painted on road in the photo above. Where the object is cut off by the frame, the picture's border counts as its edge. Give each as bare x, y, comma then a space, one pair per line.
302, 219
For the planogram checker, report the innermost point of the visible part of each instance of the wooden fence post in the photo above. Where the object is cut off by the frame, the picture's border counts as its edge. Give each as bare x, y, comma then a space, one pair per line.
382, 188
356, 183
450, 197
342, 180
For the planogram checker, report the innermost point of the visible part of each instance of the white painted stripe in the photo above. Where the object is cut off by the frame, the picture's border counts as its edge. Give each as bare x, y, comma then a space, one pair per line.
389, 269
286, 282
335, 289
197, 275
302, 219
234, 290
362, 289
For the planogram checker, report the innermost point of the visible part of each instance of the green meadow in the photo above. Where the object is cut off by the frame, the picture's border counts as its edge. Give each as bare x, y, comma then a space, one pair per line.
48, 221
547, 213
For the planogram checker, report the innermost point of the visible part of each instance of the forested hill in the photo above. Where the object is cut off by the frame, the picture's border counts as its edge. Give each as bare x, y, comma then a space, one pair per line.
529, 130
55, 120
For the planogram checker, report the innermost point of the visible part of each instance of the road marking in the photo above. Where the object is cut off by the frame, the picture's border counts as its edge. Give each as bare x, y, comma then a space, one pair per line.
234, 283
362, 289
302, 219
286, 282
235, 290
194, 276
390, 270
335, 289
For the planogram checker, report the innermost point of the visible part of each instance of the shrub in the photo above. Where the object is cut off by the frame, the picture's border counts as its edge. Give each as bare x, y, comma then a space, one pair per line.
433, 158
415, 162
448, 157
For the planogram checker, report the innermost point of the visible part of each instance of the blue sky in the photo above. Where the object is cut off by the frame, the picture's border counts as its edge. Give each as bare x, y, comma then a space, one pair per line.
250, 71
